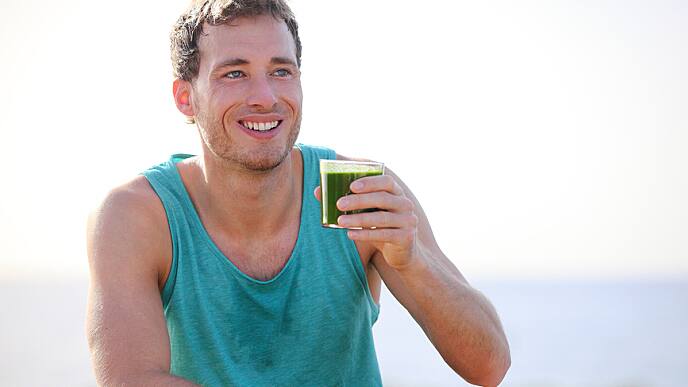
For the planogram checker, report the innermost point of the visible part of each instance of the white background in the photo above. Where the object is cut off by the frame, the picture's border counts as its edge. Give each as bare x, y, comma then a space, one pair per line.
544, 139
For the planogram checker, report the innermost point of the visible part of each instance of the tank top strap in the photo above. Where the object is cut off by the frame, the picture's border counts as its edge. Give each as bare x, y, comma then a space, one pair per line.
317, 238
311, 179
167, 184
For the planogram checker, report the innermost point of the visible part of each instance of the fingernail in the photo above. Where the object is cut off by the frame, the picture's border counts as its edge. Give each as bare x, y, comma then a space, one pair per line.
356, 185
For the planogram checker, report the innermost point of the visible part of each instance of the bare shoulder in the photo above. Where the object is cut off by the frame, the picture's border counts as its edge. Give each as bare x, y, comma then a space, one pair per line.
130, 227
129, 248
135, 194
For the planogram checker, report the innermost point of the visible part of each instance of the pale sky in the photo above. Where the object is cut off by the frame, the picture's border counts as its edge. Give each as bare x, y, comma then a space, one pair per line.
545, 139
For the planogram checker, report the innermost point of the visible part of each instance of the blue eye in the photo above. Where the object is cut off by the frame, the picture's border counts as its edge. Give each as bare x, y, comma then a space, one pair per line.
282, 73
234, 74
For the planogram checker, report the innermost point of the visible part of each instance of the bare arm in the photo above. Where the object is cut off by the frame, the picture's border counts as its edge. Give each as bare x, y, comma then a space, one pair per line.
128, 247
459, 321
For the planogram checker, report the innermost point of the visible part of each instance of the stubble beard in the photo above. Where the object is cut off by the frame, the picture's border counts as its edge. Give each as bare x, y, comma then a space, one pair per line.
217, 141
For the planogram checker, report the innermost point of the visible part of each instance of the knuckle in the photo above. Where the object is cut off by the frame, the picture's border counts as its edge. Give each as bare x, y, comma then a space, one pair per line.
389, 181
413, 219
407, 204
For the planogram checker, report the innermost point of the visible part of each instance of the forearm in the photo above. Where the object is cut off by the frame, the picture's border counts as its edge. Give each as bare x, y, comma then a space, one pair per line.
461, 322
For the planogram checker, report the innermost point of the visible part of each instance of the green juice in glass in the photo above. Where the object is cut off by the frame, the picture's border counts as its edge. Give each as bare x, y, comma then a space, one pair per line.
336, 177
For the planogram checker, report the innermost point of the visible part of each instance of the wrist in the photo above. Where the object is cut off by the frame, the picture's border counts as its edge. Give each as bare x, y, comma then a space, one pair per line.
414, 263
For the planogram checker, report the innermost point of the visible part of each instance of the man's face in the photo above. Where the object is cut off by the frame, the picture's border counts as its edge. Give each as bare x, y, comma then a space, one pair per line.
248, 82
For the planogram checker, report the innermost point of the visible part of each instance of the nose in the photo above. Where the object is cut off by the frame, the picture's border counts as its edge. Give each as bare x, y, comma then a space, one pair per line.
261, 94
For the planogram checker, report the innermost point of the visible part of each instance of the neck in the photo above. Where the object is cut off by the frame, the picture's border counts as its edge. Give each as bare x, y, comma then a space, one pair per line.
245, 203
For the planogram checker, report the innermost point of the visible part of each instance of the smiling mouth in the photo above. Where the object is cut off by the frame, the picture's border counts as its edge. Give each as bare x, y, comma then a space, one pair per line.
260, 126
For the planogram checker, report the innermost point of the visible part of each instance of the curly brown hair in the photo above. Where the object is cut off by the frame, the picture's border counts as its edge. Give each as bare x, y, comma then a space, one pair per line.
189, 27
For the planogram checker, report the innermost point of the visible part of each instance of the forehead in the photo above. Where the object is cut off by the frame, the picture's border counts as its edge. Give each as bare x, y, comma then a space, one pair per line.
253, 39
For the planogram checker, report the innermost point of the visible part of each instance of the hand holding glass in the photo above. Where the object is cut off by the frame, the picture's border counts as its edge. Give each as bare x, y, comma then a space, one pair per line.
336, 177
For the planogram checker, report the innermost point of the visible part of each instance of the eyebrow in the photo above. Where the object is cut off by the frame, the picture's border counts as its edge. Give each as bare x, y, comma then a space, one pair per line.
240, 62
232, 62
282, 60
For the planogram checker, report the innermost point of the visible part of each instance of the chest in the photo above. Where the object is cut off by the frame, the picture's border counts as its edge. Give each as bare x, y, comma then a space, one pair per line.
260, 258
264, 258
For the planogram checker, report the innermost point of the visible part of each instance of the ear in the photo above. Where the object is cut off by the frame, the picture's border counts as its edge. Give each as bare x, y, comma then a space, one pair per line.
182, 92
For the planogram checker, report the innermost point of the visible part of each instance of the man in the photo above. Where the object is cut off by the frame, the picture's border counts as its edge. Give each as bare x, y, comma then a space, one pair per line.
215, 270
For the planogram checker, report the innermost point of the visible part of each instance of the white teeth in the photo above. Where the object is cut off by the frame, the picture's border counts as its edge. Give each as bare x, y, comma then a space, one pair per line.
260, 126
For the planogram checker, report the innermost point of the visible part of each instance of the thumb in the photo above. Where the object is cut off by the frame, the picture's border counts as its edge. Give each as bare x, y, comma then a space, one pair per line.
317, 193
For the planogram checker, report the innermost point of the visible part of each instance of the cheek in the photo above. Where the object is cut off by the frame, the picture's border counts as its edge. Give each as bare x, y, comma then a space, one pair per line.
294, 96
221, 106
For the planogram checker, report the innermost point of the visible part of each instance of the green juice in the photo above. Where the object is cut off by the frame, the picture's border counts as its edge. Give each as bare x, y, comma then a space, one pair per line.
334, 185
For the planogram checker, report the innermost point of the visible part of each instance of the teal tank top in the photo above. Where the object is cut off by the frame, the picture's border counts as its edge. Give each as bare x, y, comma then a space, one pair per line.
310, 325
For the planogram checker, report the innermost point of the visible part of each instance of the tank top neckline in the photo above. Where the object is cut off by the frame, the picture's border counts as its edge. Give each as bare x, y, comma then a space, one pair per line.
217, 253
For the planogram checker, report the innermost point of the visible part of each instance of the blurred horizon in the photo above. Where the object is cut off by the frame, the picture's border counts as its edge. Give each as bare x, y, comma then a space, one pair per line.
561, 334
22, 275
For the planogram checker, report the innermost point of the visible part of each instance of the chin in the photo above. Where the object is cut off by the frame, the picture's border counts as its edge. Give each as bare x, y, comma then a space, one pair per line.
269, 159
257, 158
264, 161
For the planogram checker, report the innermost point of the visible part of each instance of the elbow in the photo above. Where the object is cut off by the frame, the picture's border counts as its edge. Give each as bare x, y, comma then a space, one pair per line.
494, 375
486, 367
492, 372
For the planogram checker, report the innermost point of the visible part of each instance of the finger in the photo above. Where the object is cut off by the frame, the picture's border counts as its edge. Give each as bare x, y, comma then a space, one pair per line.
382, 200
376, 183
397, 236
378, 219
318, 193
